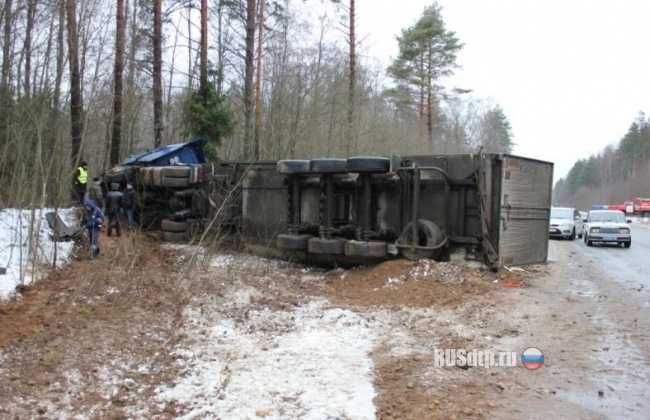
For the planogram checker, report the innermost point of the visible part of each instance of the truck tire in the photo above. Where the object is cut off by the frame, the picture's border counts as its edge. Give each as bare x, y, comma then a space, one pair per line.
326, 246
176, 171
292, 167
175, 182
429, 235
328, 166
375, 249
367, 164
291, 242
173, 226
174, 236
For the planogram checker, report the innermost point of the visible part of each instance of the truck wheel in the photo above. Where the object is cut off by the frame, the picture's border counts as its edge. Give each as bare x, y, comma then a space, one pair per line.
325, 246
293, 167
375, 249
174, 236
328, 166
172, 226
361, 164
429, 234
288, 242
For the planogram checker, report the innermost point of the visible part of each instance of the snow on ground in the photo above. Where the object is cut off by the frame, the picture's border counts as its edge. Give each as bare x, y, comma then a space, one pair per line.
313, 361
26, 244
310, 363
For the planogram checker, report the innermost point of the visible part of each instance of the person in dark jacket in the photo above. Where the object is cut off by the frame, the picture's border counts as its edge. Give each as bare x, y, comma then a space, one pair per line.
95, 192
113, 207
94, 220
129, 204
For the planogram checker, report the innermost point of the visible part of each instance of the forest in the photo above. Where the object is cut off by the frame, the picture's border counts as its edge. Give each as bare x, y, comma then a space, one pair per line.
98, 80
616, 174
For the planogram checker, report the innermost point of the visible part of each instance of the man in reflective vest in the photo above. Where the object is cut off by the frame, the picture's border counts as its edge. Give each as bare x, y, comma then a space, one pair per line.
80, 182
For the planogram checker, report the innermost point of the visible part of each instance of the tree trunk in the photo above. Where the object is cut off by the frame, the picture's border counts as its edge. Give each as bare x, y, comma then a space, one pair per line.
116, 139
157, 72
249, 70
204, 47
76, 98
6, 47
258, 84
353, 78
134, 45
29, 27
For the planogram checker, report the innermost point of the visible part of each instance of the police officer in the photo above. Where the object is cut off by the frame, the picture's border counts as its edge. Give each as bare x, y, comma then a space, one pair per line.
81, 182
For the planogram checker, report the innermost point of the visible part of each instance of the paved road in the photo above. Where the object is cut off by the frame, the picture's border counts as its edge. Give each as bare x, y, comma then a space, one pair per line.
630, 268
589, 314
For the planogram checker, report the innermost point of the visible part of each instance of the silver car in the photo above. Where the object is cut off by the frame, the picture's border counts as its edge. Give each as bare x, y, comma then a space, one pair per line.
607, 227
566, 222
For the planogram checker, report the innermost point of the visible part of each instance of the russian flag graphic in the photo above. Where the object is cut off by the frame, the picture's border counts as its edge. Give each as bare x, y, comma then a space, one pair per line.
532, 358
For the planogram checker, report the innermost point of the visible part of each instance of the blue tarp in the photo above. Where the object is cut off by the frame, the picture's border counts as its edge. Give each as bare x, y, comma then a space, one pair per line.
173, 154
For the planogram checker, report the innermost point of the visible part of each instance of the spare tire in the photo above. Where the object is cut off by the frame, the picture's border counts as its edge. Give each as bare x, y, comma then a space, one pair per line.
361, 164
429, 235
291, 167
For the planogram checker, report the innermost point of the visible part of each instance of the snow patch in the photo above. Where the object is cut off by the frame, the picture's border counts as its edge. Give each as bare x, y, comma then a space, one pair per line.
26, 245
312, 362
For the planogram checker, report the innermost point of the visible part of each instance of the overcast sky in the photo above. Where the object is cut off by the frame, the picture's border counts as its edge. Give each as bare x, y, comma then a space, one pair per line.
571, 75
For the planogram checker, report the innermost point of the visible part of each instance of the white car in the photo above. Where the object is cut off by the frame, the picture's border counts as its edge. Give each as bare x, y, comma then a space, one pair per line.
566, 222
607, 227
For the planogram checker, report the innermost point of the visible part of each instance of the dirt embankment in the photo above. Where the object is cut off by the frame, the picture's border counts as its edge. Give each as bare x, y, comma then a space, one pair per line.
97, 338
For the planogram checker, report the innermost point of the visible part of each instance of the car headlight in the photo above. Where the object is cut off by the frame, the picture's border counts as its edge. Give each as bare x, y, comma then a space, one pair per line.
624, 230
594, 230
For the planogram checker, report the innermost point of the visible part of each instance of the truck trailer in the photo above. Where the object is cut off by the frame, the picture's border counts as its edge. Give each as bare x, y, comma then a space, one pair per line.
487, 209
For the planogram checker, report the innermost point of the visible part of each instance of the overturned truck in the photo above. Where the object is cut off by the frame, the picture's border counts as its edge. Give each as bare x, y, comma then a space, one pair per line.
489, 209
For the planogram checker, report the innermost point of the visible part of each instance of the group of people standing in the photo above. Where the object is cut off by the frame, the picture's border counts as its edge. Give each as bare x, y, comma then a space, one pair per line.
115, 203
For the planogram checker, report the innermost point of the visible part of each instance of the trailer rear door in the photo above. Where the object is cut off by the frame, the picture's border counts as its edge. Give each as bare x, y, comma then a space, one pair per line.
525, 197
